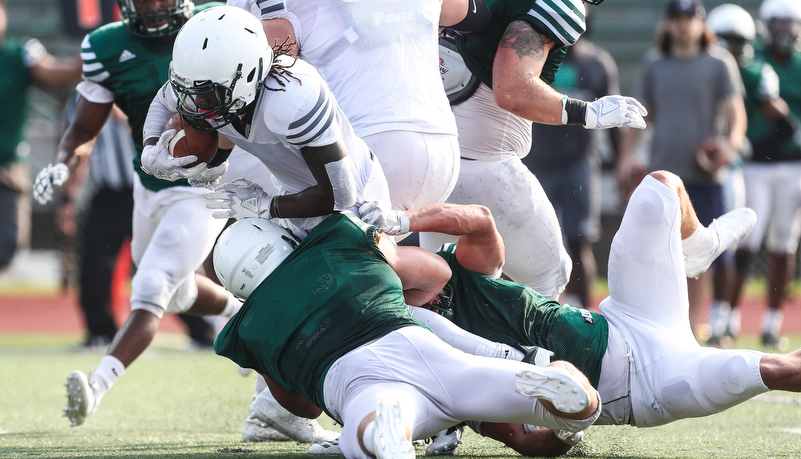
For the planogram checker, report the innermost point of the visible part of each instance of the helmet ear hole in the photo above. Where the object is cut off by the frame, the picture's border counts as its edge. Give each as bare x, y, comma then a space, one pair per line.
251, 75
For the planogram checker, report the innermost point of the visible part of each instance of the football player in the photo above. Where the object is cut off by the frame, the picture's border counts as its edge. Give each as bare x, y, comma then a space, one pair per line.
640, 354
515, 60
225, 78
773, 98
374, 55
347, 344
125, 63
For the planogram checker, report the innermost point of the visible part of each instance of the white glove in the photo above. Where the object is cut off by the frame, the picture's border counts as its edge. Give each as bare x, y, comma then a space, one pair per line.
392, 222
47, 180
210, 177
239, 199
615, 111
158, 162
571, 438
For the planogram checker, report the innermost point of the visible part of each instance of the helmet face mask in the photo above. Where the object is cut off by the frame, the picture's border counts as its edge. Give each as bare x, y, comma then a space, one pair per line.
738, 46
594, 2
155, 23
784, 34
202, 101
219, 61
782, 19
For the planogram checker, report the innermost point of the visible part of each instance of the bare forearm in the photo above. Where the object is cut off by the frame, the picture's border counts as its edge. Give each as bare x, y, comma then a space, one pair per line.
457, 220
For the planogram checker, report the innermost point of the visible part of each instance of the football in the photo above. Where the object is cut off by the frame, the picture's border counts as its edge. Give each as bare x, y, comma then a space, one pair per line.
190, 141
711, 155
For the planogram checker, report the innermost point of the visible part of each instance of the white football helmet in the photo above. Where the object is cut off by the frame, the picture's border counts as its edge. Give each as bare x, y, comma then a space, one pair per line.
782, 19
735, 29
248, 251
732, 20
219, 61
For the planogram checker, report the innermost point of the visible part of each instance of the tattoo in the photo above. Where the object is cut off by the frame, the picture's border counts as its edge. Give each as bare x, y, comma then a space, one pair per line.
521, 37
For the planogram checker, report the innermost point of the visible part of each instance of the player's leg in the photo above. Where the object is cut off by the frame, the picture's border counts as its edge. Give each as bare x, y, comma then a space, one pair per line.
704, 381
782, 242
580, 219
15, 208
172, 234
759, 197
107, 226
278, 424
535, 254
781, 371
420, 168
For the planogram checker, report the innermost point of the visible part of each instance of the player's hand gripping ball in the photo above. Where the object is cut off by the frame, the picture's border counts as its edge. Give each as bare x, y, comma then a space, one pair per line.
190, 141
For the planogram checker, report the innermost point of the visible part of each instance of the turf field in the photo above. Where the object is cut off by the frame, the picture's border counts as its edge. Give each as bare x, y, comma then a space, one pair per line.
177, 403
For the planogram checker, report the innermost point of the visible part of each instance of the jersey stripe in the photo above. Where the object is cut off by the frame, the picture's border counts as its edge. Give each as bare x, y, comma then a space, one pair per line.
313, 124
565, 21
92, 67
270, 6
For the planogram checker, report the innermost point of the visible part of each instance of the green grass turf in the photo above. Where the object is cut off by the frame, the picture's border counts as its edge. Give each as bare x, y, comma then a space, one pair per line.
173, 403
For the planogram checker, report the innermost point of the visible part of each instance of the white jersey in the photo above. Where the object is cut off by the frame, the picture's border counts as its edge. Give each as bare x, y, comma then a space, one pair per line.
302, 113
299, 112
486, 131
360, 51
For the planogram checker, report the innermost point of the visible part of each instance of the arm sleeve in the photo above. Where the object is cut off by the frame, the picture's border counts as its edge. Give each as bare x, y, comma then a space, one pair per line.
276, 9
768, 88
159, 113
305, 115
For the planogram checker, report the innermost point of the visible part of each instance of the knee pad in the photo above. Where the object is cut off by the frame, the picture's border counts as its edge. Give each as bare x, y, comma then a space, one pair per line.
152, 287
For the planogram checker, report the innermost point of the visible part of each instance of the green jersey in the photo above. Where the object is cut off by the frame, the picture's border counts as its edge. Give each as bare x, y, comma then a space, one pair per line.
514, 314
563, 21
332, 294
760, 128
134, 69
16, 59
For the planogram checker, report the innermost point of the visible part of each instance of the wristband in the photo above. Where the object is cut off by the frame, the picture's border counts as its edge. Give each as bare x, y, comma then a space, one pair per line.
276, 212
220, 157
574, 111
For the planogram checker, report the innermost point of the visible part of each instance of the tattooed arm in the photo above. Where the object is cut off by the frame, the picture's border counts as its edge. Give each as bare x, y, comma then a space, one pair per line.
516, 75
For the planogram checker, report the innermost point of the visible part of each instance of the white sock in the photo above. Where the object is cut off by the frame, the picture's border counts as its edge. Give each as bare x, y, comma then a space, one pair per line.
734, 326
106, 374
703, 241
772, 321
261, 384
719, 317
231, 307
367, 438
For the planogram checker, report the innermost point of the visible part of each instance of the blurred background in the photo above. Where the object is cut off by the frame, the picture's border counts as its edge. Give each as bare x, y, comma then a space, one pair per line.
625, 28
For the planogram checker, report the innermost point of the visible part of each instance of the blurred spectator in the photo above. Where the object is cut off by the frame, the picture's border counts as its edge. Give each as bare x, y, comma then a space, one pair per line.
773, 175
567, 163
22, 63
693, 92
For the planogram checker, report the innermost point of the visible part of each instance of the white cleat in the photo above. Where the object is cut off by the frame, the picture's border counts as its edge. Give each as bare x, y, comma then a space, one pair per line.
730, 228
389, 433
302, 430
329, 448
257, 431
446, 442
554, 385
80, 399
